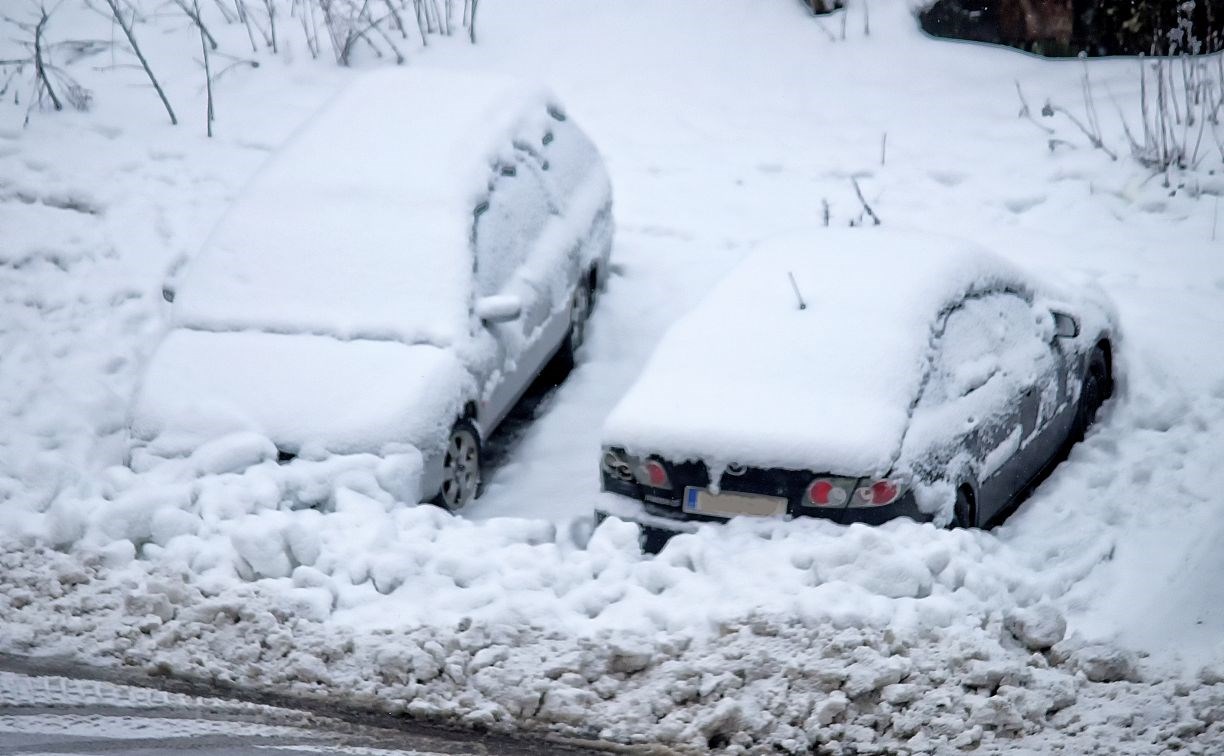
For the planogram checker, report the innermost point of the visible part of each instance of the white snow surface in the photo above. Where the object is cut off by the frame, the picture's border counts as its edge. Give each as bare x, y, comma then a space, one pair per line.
312, 394
748, 377
360, 226
723, 125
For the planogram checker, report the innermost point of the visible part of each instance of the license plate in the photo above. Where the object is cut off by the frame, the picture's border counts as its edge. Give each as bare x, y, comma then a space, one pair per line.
730, 504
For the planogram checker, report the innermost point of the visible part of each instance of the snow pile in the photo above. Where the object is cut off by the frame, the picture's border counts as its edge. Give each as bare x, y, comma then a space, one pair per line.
335, 535
1007, 682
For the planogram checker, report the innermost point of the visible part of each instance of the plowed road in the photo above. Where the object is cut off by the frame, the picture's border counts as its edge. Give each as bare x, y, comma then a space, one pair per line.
48, 707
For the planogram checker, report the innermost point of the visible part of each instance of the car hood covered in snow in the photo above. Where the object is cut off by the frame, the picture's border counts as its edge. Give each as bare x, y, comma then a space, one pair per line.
748, 377
310, 394
360, 227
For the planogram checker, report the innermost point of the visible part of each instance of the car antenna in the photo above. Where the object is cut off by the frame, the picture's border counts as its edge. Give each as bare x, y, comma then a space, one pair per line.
795, 286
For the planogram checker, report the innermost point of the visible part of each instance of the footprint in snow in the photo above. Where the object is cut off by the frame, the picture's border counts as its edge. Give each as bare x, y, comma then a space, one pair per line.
1021, 205
947, 178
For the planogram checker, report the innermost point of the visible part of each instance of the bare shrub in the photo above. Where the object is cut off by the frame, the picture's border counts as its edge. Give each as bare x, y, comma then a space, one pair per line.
52, 86
349, 30
1180, 104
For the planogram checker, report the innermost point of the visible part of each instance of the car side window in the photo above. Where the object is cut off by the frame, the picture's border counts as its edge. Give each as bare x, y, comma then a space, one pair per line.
567, 157
986, 338
507, 225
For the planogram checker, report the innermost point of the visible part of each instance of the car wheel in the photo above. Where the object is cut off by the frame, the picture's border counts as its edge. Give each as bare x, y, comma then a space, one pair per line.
461, 479
1092, 396
580, 310
964, 515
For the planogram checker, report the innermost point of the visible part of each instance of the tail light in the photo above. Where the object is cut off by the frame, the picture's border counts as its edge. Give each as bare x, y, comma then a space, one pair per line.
615, 464
877, 493
827, 492
655, 474
632, 469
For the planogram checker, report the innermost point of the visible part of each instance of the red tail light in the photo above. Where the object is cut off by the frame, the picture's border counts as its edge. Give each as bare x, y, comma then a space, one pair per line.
884, 492
825, 493
656, 474
877, 493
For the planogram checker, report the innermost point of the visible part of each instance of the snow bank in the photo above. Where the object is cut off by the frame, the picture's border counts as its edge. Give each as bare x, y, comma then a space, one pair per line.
337, 530
763, 679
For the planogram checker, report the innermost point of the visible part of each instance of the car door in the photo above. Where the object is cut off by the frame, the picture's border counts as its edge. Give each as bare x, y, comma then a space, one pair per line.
507, 229
990, 372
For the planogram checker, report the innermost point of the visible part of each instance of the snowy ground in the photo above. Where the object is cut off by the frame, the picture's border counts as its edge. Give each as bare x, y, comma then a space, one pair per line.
722, 124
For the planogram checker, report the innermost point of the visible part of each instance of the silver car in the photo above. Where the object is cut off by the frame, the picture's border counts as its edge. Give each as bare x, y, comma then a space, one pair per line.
390, 283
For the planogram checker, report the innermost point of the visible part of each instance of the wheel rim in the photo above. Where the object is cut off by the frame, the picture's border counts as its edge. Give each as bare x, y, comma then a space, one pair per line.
578, 316
460, 470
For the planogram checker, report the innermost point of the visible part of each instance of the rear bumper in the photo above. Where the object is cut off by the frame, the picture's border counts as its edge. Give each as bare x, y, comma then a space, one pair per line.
631, 510
656, 530
659, 523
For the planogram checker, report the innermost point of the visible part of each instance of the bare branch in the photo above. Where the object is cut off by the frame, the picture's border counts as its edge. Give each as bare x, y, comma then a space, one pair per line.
270, 7
1094, 138
399, 21
867, 208
1026, 112
126, 26
204, 38
245, 18
193, 13
420, 17
225, 13
40, 66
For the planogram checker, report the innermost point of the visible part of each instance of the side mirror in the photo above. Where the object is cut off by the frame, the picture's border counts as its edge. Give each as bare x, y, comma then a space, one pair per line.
1065, 326
502, 308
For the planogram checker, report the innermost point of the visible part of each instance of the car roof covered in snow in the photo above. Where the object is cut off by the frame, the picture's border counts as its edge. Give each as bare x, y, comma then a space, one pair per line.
360, 226
748, 377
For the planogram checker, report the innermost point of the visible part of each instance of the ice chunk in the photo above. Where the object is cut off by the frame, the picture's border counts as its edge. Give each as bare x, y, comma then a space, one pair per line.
1037, 627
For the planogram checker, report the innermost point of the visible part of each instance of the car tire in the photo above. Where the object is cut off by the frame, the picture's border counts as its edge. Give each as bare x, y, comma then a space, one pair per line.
580, 310
1092, 395
461, 474
964, 513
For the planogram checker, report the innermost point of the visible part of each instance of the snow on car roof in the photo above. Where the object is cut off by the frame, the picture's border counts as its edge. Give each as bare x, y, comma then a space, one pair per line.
748, 377
360, 225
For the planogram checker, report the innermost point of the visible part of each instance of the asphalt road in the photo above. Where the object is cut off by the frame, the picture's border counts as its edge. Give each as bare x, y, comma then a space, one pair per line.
56, 707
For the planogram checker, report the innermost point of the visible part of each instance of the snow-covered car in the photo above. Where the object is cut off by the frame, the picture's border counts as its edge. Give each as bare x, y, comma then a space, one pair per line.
391, 281
858, 376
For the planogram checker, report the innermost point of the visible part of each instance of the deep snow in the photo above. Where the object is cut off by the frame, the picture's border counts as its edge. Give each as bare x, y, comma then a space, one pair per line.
723, 124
